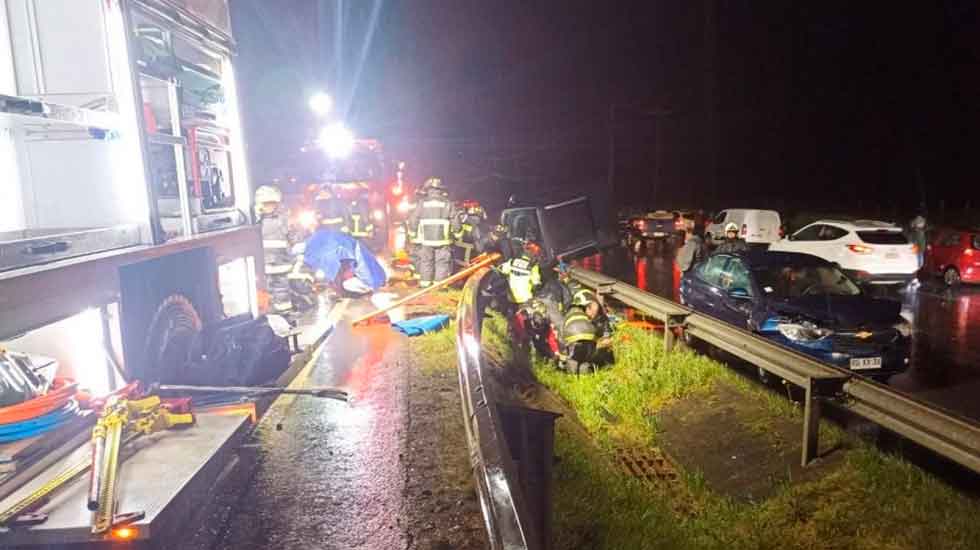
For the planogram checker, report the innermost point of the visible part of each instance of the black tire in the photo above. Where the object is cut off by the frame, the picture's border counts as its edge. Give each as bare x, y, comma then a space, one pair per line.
951, 277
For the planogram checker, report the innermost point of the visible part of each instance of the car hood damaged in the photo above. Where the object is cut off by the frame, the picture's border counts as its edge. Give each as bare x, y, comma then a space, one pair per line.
841, 312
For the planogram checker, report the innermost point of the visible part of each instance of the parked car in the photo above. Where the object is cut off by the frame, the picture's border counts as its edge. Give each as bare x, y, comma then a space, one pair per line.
652, 227
954, 254
868, 251
758, 227
802, 302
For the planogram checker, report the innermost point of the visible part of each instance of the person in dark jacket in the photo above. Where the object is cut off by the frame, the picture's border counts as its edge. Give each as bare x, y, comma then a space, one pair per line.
432, 225
691, 252
732, 243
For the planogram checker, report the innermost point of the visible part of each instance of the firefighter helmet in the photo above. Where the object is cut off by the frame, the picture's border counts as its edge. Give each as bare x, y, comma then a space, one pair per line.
268, 193
433, 183
583, 297
730, 227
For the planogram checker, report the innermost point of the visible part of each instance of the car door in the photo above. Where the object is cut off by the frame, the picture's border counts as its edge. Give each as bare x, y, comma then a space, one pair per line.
831, 244
705, 292
736, 293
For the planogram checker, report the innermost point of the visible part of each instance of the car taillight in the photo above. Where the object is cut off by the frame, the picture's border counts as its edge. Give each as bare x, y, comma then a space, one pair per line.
745, 230
860, 249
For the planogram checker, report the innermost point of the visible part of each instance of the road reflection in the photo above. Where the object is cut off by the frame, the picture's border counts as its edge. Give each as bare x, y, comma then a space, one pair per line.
945, 364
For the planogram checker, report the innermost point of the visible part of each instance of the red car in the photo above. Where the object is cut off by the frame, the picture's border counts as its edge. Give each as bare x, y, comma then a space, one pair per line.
955, 255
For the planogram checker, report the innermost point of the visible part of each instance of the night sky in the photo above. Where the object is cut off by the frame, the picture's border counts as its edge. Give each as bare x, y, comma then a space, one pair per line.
851, 107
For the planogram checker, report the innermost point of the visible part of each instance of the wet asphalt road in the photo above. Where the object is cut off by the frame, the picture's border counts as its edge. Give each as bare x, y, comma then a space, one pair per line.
332, 476
945, 364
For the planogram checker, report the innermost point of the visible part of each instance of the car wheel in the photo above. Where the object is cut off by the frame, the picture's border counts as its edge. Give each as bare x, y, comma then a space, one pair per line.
951, 277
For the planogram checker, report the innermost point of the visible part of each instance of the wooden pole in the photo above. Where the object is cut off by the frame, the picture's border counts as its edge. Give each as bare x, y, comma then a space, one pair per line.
485, 261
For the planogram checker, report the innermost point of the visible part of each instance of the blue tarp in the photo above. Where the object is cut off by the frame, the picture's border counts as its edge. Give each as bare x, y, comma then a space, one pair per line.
325, 249
420, 325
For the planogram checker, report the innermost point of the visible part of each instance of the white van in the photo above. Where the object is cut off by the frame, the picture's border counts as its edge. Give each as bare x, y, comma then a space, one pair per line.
755, 226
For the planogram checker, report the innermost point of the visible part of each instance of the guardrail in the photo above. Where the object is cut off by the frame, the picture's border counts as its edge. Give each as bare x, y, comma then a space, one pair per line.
511, 447
946, 434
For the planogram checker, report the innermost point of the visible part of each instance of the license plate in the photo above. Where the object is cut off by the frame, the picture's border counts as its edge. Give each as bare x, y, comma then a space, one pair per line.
892, 255
860, 363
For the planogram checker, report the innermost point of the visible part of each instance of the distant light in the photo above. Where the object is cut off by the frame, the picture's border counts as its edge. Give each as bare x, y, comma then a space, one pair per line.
378, 215
337, 140
321, 104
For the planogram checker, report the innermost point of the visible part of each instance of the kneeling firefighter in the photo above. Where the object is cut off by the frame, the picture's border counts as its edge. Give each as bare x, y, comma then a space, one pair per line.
434, 221
579, 335
275, 243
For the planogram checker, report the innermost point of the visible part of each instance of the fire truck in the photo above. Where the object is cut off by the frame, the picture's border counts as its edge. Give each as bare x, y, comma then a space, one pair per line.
125, 227
364, 175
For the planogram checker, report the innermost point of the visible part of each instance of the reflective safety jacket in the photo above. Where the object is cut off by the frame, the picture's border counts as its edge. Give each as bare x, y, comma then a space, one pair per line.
577, 327
433, 221
523, 277
333, 214
361, 225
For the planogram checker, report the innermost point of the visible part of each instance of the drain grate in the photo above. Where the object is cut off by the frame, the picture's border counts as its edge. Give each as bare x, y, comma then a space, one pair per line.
648, 465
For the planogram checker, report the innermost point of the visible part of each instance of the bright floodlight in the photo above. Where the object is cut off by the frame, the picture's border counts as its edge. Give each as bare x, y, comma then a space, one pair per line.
321, 103
337, 140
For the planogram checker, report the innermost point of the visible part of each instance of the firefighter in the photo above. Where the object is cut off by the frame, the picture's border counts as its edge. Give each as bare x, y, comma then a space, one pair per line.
523, 275
434, 221
471, 220
579, 334
732, 243
361, 224
275, 243
331, 211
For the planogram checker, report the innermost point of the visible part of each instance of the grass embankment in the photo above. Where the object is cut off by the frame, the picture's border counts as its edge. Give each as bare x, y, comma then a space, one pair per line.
866, 499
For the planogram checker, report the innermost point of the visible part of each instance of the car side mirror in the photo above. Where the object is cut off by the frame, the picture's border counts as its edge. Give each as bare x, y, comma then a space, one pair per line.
739, 294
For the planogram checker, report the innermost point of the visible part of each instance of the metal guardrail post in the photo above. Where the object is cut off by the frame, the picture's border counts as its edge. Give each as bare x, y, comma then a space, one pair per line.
811, 423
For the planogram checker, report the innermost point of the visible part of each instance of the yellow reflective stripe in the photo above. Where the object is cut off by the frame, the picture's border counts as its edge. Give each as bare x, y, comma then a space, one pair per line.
585, 337
577, 317
331, 221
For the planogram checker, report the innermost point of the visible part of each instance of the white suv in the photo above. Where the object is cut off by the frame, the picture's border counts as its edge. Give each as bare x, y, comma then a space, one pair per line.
869, 251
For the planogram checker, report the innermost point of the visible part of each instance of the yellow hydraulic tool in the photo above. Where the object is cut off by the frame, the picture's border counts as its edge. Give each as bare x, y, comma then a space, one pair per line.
143, 416
134, 418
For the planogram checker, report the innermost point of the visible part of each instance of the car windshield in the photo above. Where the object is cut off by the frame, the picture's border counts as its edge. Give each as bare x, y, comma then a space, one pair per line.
783, 281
